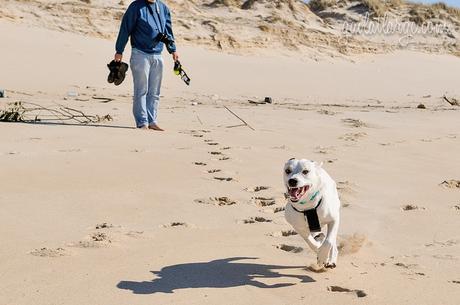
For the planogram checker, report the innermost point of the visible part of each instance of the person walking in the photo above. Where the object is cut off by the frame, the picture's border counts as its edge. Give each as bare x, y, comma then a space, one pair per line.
148, 25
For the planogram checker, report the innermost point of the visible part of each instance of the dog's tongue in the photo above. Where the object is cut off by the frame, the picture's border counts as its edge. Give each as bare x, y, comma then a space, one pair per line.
295, 192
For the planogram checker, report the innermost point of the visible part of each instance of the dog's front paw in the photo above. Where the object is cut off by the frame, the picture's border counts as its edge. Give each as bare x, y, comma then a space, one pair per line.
323, 253
327, 255
330, 265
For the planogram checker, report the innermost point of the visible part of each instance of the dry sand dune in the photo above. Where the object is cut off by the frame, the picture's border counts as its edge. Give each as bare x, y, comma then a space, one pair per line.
103, 213
251, 26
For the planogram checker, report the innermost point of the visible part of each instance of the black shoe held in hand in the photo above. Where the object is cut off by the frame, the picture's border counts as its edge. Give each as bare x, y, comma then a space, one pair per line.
117, 72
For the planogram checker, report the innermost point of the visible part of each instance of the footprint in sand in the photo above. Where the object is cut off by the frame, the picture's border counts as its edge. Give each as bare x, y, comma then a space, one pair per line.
264, 201
352, 137
219, 201
451, 184
326, 112
279, 147
174, 224
195, 133
95, 240
100, 236
349, 244
354, 123
215, 152
289, 248
445, 257
257, 188
411, 207
47, 252
274, 210
208, 140
357, 292
442, 244
405, 266
283, 233
104, 225
254, 220
200, 163
224, 158
224, 178
212, 171
324, 150
212, 143
456, 207
455, 282
134, 234
225, 148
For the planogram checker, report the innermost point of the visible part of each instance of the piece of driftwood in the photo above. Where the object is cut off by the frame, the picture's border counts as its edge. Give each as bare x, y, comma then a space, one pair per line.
244, 122
255, 102
31, 112
103, 99
452, 103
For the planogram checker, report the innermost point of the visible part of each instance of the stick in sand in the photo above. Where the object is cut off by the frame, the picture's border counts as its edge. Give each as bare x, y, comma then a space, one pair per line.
199, 120
245, 123
454, 103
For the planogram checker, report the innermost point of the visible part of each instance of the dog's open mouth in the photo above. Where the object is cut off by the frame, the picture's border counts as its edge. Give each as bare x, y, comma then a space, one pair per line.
295, 193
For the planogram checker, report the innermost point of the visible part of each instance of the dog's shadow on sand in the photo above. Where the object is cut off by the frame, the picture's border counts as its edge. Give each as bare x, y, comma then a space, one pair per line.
221, 273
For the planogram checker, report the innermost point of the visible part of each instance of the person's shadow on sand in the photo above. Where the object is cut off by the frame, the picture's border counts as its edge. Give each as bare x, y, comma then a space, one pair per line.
221, 273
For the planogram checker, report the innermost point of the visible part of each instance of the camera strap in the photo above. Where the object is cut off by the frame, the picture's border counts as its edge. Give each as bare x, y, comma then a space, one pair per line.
157, 10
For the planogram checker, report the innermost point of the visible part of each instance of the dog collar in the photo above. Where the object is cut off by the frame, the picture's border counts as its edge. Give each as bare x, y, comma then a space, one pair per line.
311, 198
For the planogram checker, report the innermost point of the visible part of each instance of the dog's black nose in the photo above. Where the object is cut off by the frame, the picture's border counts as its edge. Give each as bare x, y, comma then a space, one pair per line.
292, 182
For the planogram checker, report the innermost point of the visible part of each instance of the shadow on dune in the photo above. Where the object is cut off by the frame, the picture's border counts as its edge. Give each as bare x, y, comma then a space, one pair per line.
221, 273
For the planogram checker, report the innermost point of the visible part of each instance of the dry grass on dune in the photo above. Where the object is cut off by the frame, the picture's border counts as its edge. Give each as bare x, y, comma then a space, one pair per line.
378, 8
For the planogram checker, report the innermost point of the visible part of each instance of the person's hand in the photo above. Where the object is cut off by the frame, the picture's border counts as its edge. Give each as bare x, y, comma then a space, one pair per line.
118, 57
175, 56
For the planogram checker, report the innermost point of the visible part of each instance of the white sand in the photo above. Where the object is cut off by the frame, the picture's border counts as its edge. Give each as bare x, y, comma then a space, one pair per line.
58, 182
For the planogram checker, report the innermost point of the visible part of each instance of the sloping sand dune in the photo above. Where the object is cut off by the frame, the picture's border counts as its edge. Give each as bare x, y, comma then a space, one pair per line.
252, 26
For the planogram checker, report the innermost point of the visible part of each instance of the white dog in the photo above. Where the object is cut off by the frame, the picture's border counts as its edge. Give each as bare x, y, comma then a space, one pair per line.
313, 202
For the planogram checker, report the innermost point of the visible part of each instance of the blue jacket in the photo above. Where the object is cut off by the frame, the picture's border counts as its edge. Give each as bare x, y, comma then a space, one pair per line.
143, 28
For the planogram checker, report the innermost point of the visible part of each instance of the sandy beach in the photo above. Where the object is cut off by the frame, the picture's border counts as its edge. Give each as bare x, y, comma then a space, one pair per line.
103, 213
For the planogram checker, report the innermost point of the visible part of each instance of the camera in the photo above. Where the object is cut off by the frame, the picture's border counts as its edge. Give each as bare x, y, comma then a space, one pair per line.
164, 39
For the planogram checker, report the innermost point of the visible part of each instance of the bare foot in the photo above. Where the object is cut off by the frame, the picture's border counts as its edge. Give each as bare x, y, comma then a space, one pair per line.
155, 127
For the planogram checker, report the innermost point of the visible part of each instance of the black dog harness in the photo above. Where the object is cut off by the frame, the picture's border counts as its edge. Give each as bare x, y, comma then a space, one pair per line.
311, 216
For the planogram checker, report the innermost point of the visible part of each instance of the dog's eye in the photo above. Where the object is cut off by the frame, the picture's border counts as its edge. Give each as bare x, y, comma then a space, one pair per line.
305, 172
287, 171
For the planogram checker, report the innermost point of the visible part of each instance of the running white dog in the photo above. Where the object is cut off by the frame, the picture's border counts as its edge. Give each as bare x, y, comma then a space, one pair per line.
313, 202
